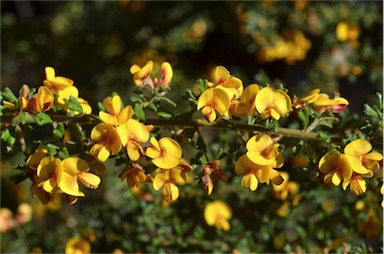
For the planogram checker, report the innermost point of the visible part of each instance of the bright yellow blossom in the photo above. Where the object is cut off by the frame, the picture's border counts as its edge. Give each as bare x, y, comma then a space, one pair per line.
246, 104
114, 115
233, 86
322, 101
357, 184
253, 173
272, 103
140, 74
361, 157
218, 214
263, 151
132, 133
168, 179
56, 82
213, 100
107, 141
34, 159
165, 153
54, 175
42, 101
336, 167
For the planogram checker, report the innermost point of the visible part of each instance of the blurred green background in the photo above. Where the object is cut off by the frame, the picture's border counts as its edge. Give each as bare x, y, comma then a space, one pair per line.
294, 42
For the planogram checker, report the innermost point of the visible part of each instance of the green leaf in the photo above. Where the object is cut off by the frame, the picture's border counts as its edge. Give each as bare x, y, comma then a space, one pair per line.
200, 144
220, 154
6, 136
52, 149
369, 111
152, 106
63, 153
303, 116
324, 137
234, 147
139, 112
202, 85
173, 104
379, 100
101, 106
22, 117
74, 105
41, 118
164, 114
58, 134
9, 96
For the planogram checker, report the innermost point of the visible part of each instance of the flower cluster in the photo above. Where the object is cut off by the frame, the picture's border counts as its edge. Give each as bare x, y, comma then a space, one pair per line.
52, 176
357, 162
226, 96
287, 191
260, 162
56, 90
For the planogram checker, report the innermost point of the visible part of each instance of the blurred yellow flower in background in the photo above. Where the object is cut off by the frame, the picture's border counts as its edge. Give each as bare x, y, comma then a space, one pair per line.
218, 214
77, 245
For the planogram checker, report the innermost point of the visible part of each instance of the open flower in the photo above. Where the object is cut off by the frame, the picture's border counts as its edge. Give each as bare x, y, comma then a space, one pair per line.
165, 153
114, 115
77, 170
233, 86
263, 151
361, 157
168, 179
132, 133
322, 101
55, 82
272, 103
253, 173
107, 141
213, 100
218, 214
246, 104
49, 173
357, 183
336, 167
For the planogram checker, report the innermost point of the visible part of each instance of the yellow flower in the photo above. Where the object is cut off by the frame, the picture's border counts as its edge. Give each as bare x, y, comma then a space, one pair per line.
74, 170
132, 133
233, 86
335, 166
253, 173
272, 103
115, 115
165, 153
246, 104
77, 245
166, 75
218, 214
361, 158
107, 141
167, 179
347, 31
322, 101
42, 101
357, 183
263, 151
34, 159
49, 174
213, 100
55, 82
140, 74
135, 175
55, 174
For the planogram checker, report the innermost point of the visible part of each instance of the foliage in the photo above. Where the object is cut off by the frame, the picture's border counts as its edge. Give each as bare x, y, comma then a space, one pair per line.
236, 162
